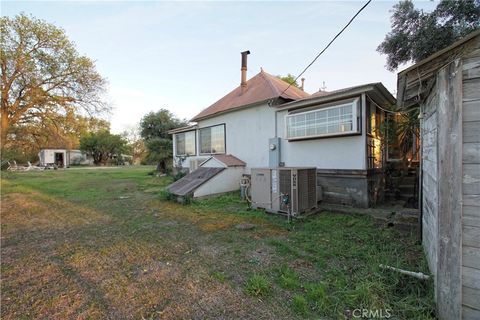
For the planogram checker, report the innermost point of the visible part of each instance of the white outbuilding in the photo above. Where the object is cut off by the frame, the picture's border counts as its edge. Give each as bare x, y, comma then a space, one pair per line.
63, 158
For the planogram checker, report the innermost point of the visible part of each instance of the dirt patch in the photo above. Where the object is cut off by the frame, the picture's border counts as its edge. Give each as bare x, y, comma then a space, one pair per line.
211, 251
261, 256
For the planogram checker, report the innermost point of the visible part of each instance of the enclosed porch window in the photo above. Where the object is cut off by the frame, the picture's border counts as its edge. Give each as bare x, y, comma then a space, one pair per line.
212, 139
185, 143
330, 121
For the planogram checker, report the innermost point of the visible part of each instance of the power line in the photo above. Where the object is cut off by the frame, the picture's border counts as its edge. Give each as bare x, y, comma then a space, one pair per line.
328, 45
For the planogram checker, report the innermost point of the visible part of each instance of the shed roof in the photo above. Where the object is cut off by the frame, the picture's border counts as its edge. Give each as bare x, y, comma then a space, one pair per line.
193, 180
261, 87
415, 83
228, 160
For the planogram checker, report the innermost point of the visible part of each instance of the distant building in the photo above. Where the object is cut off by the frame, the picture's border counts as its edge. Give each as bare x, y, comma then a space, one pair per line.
63, 158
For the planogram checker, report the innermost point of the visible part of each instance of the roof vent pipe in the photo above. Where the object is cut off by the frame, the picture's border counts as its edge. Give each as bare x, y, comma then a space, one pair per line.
243, 82
302, 87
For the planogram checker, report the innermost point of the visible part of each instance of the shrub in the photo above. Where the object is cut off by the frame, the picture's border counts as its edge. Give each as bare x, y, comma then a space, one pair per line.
166, 195
179, 175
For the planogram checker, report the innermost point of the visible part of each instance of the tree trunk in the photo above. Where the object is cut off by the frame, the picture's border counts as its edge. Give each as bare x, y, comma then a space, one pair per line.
162, 166
4, 130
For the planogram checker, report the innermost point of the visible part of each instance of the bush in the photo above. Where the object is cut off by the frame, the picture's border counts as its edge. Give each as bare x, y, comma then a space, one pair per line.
20, 156
4, 165
167, 195
179, 175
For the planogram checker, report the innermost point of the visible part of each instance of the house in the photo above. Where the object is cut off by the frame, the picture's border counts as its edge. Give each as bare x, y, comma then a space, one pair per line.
265, 122
446, 88
63, 157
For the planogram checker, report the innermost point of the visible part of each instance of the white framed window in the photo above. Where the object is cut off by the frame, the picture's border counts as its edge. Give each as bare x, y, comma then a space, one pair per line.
185, 143
212, 139
330, 121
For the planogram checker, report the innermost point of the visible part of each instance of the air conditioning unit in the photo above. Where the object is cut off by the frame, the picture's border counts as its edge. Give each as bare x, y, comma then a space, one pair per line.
195, 163
284, 190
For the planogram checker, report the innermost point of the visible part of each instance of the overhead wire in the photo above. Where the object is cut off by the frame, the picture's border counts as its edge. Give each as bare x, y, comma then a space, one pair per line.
327, 46
390, 111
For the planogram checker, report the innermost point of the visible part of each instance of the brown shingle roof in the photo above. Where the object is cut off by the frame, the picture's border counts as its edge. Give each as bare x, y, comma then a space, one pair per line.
229, 160
261, 87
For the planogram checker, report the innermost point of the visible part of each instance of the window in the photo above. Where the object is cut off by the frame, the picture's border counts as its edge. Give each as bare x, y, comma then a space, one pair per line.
336, 120
185, 143
374, 119
371, 118
212, 139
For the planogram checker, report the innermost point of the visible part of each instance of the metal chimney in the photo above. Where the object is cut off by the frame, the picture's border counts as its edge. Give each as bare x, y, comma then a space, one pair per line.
303, 84
243, 82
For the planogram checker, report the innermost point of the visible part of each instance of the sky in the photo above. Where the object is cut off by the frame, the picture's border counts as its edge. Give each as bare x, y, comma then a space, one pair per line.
184, 56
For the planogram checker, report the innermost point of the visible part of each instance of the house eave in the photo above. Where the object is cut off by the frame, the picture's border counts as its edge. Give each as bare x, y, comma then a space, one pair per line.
258, 103
183, 129
378, 88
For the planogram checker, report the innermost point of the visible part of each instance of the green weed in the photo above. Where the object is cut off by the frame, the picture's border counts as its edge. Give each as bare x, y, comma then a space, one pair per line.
300, 305
257, 285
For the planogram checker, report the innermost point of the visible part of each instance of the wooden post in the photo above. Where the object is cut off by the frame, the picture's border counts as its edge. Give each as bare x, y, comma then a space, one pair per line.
449, 254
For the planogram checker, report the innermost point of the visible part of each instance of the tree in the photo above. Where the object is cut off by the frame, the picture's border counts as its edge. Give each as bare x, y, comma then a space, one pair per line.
43, 75
290, 79
417, 34
135, 143
103, 146
154, 129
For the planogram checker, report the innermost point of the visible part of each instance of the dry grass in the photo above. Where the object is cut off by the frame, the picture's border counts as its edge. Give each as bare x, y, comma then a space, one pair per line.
99, 244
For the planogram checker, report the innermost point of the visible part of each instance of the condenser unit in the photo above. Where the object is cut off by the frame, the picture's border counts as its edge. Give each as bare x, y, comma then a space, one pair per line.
284, 189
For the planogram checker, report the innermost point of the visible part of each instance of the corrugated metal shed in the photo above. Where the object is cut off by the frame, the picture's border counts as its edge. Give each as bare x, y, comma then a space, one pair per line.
193, 180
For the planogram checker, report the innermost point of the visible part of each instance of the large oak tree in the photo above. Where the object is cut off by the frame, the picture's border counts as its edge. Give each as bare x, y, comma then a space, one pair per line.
43, 76
417, 34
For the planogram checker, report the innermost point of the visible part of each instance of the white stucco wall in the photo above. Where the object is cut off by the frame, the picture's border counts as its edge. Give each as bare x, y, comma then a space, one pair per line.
225, 181
213, 163
325, 153
247, 132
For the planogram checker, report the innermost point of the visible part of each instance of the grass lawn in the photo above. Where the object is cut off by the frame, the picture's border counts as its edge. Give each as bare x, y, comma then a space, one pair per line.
96, 244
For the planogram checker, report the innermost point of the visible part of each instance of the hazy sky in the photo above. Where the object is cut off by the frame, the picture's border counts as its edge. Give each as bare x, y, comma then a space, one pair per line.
184, 56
